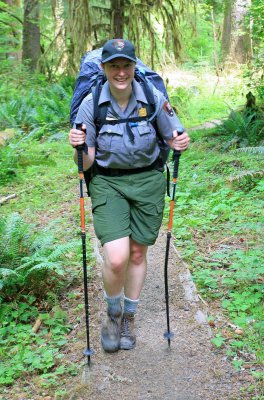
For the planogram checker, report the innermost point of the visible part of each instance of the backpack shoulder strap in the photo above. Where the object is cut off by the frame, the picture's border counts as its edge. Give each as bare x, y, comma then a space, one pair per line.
100, 112
147, 89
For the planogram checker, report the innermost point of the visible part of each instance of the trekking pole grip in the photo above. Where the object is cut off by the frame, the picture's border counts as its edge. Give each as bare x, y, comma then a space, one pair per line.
80, 149
176, 158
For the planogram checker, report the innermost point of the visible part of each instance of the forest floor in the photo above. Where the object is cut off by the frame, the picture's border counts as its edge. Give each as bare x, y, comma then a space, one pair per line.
191, 369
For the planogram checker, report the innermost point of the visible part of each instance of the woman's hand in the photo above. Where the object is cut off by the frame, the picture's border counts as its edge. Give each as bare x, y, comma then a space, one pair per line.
179, 142
77, 137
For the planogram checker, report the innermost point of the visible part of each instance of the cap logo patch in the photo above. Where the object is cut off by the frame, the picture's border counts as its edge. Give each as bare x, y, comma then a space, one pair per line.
119, 45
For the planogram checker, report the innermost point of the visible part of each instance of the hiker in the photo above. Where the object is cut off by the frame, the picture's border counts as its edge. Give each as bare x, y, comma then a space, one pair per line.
128, 186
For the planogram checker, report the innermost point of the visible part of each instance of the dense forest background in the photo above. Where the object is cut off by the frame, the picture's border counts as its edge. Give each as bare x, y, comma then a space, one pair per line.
211, 56
51, 36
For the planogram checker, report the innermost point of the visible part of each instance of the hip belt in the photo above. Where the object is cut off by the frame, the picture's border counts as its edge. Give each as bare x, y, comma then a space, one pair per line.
98, 170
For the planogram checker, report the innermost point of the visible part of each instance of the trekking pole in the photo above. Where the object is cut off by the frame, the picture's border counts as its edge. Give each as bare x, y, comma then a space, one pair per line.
176, 160
88, 352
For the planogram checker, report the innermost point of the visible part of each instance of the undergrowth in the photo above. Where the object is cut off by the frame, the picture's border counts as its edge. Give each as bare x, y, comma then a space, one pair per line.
25, 350
218, 228
31, 105
31, 262
40, 258
200, 96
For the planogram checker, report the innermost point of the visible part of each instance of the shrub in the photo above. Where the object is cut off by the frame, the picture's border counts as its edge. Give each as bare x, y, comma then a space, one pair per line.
243, 129
30, 262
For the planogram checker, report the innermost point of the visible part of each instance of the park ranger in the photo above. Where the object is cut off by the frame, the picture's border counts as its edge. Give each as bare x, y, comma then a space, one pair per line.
128, 187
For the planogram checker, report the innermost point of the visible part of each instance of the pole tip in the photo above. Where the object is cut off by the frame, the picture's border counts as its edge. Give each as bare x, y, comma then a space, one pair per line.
88, 352
168, 336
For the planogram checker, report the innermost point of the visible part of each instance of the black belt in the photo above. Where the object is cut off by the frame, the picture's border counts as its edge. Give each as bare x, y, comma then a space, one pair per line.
120, 172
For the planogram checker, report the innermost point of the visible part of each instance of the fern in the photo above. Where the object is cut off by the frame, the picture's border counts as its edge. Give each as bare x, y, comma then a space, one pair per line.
49, 105
245, 129
251, 150
13, 245
42, 241
6, 273
246, 174
29, 261
43, 268
62, 249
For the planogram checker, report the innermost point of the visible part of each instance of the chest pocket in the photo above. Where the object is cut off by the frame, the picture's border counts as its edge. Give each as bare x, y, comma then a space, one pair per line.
147, 136
110, 138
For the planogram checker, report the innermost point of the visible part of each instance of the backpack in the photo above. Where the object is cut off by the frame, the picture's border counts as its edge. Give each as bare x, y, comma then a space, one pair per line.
91, 79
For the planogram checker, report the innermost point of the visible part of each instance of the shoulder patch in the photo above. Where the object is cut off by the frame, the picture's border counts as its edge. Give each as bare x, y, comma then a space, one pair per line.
168, 108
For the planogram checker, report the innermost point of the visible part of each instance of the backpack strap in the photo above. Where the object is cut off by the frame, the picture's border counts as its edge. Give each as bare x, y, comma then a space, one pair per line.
147, 88
100, 112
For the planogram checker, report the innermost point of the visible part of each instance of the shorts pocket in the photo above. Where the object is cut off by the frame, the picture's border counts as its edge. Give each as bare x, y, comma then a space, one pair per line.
153, 209
100, 201
160, 208
146, 222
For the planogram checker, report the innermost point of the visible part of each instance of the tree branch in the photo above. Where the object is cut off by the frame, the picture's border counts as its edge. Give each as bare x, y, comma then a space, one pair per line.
11, 15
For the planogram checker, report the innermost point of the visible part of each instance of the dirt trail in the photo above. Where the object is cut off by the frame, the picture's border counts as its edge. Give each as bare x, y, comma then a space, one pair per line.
190, 370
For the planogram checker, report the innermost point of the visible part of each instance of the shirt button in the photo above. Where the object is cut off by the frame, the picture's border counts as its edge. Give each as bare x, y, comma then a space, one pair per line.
109, 131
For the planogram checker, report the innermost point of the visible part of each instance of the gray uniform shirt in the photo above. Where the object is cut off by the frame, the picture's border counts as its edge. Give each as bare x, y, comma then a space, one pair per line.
114, 147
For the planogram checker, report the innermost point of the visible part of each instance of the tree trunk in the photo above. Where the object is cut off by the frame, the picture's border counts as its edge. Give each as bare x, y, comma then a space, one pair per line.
59, 45
57, 11
236, 39
31, 34
15, 54
118, 14
78, 33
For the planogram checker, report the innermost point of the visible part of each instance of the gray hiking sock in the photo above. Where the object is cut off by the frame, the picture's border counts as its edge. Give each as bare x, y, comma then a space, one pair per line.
113, 304
130, 306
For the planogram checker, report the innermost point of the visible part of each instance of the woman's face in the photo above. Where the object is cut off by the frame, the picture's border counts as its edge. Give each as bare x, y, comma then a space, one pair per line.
119, 73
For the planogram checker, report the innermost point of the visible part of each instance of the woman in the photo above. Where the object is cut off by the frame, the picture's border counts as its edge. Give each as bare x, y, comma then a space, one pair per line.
128, 187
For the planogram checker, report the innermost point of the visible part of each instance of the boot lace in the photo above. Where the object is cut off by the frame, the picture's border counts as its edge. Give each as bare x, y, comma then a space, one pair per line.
126, 325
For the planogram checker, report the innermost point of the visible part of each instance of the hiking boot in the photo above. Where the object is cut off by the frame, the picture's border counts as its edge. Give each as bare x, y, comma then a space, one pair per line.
110, 332
127, 335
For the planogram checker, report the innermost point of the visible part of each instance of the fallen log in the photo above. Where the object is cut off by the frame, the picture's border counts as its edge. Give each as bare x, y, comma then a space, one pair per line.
5, 199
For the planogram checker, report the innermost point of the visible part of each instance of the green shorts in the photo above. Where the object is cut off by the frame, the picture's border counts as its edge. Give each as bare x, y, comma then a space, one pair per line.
128, 205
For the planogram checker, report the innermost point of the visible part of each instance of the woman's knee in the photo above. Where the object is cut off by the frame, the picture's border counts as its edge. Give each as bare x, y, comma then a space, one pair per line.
116, 255
138, 253
117, 263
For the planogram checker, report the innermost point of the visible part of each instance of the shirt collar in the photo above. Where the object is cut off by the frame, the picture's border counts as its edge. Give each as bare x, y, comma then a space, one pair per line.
105, 94
139, 92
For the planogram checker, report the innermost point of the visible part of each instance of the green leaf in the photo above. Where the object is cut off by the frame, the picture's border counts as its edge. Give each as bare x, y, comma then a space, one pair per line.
238, 364
218, 340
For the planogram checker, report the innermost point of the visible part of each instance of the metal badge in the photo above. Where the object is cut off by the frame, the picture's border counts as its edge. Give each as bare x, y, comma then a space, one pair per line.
142, 112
